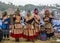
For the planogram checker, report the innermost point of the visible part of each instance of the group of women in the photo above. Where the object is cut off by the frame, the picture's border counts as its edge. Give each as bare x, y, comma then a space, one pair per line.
32, 27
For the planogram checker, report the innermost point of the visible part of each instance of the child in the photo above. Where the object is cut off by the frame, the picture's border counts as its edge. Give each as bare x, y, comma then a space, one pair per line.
43, 35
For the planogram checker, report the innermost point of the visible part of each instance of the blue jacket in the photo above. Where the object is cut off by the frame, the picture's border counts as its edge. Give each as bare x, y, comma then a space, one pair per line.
6, 26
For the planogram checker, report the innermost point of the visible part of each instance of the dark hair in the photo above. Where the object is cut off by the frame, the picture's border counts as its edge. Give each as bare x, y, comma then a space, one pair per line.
42, 25
4, 14
35, 9
28, 11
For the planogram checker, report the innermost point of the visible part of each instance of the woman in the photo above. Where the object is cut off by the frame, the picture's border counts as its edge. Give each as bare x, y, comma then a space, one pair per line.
48, 24
17, 28
5, 25
36, 22
29, 29
1, 32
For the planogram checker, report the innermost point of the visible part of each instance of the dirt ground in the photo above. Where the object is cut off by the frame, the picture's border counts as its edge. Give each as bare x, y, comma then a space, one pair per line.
12, 40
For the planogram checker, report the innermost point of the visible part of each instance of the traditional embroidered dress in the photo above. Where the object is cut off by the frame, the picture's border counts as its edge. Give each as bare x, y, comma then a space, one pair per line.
17, 28
48, 26
36, 22
29, 29
37, 25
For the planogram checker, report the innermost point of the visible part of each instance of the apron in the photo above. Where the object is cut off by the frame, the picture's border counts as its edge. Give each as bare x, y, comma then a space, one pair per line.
17, 31
49, 28
31, 32
28, 32
37, 29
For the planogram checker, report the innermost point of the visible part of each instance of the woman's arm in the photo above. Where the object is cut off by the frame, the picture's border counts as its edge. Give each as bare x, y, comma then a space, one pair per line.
37, 19
51, 16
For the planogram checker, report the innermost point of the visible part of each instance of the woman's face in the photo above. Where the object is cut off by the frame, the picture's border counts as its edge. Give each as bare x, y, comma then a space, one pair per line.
47, 14
36, 11
17, 17
28, 13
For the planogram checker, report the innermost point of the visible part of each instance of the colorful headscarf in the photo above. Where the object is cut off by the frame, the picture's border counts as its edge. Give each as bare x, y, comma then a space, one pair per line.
47, 10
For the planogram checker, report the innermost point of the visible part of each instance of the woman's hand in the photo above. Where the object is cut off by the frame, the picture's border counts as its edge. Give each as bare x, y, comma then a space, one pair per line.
51, 16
